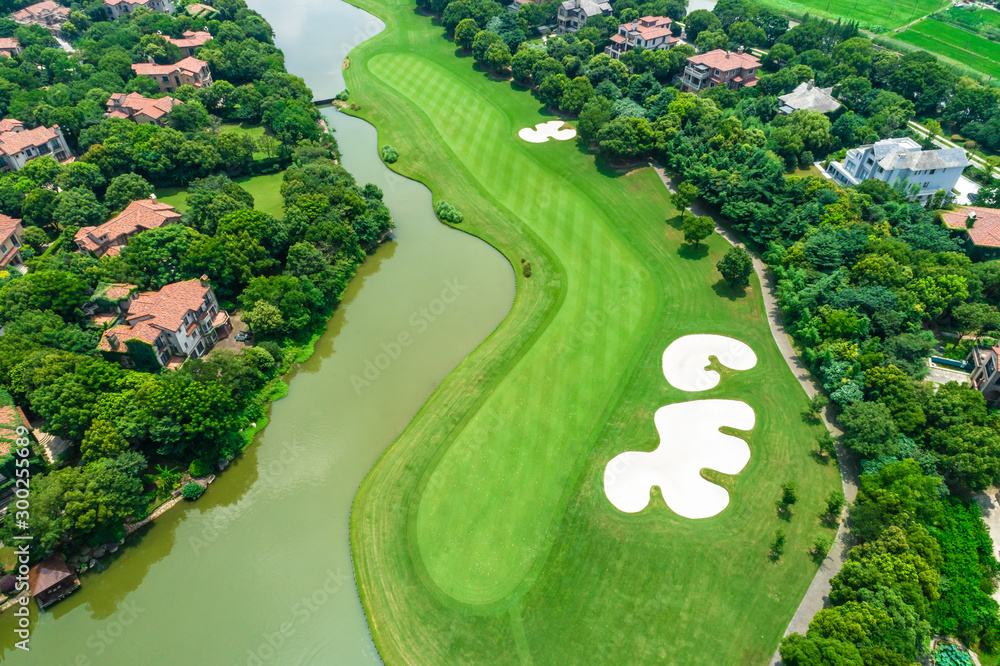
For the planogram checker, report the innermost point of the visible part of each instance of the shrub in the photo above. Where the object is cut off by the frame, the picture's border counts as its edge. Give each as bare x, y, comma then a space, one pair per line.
447, 213
272, 348
806, 159
389, 154
820, 548
342, 95
526, 268
192, 491
199, 468
970, 145
778, 545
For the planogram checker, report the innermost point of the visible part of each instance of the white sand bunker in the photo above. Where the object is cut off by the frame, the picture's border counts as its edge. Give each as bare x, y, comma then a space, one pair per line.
684, 361
690, 441
542, 132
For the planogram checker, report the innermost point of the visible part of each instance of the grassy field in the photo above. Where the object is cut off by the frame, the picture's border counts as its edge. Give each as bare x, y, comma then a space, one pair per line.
966, 47
885, 13
483, 534
266, 191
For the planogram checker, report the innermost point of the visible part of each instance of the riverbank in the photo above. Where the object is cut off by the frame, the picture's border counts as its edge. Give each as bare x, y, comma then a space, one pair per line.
506, 457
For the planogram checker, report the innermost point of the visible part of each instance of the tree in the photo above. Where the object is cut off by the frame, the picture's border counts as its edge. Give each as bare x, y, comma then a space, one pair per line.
778, 544
799, 650
465, 33
102, 441
576, 94
497, 57
79, 208
627, 138
869, 429
481, 44
682, 198
697, 229
736, 267
711, 40
125, 189
190, 116
192, 491
699, 21
747, 34
594, 115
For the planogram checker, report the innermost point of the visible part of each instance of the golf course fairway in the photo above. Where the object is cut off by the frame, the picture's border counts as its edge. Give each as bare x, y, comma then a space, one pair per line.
483, 534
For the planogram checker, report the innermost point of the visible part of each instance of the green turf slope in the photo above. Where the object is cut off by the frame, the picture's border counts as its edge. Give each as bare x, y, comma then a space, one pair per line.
483, 534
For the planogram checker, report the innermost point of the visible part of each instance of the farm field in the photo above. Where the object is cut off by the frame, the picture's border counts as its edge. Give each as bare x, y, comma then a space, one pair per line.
886, 13
960, 45
483, 534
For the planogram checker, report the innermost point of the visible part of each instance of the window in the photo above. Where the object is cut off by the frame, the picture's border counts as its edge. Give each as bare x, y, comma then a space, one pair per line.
750, 72
717, 72
932, 171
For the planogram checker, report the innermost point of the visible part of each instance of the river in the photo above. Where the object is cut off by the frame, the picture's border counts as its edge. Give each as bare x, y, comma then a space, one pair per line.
258, 570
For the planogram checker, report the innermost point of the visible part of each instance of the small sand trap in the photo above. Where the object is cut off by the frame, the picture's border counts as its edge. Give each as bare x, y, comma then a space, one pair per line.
685, 359
542, 132
690, 441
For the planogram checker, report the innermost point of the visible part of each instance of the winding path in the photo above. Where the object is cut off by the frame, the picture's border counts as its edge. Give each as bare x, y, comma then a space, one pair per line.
816, 596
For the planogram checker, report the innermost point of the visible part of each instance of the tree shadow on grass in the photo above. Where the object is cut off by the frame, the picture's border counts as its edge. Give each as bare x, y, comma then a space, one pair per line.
727, 291
692, 251
676, 222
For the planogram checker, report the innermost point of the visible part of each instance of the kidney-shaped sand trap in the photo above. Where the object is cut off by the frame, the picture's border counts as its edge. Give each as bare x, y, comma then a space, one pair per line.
542, 132
690, 441
685, 359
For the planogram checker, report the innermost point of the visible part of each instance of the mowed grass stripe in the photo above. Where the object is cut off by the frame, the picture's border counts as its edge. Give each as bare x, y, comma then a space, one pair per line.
523, 531
608, 588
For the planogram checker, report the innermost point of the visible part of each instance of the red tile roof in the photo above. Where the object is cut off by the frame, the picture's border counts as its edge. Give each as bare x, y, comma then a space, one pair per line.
198, 8
10, 124
725, 61
12, 143
9, 43
138, 216
142, 331
985, 230
190, 39
166, 308
8, 225
119, 291
40, 9
136, 104
189, 66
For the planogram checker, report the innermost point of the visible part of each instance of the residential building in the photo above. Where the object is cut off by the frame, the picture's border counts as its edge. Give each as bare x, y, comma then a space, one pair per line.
733, 69
190, 41
116, 8
896, 160
11, 232
18, 145
47, 14
198, 8
808, 97
187, 72
137, 217
142, 110
51, 581
985, 376
183, 319
109, 302
648, 32
572, 14
10, 47
982, 225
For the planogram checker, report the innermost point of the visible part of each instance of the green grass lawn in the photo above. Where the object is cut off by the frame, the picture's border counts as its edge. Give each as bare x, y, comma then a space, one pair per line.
483, 534
886, 13
266, 191
960, 45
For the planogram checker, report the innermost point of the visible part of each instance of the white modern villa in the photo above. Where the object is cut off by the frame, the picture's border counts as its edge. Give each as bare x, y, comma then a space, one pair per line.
894, 160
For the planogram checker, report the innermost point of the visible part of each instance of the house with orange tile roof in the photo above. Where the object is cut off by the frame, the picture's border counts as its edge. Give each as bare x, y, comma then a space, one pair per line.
18, 145
187, 72
199, 8
116, 8
981, 225
732, 69
140, 109
190, 41
47, 14
11, 232
649, 32
10, 47
137, 217
180, 320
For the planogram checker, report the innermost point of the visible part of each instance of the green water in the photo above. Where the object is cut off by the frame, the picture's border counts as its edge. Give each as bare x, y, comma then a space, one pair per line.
258, 570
